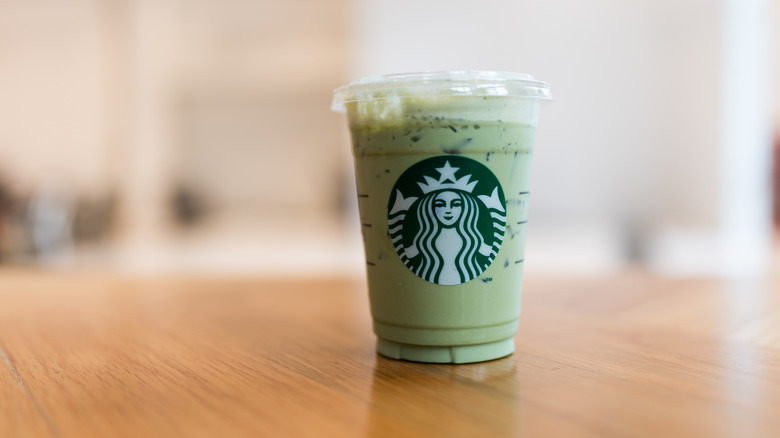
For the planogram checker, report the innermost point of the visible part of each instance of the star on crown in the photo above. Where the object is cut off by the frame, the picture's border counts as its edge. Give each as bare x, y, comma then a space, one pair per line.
447, 174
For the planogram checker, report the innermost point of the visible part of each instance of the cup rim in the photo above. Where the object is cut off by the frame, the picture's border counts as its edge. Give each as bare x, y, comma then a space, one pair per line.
480, 83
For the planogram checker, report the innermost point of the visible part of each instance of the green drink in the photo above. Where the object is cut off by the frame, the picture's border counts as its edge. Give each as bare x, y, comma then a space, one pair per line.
442, 164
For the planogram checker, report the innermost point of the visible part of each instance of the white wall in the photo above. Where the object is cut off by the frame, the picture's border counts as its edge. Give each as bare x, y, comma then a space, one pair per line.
746, 135
50, 100
629, 153
631, 156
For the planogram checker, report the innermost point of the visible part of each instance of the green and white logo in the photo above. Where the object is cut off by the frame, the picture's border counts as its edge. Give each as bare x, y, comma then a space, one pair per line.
447, 218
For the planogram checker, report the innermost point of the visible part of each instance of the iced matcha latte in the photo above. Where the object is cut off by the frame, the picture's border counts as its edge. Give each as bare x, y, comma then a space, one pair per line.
442, 163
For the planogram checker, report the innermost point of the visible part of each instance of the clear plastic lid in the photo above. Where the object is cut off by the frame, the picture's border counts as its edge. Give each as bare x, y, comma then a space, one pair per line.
441, 84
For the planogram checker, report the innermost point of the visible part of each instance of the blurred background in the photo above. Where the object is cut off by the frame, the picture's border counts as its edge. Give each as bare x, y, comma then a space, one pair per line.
196, 136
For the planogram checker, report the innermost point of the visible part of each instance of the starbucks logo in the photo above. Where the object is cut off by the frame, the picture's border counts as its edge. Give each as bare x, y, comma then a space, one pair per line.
447, 217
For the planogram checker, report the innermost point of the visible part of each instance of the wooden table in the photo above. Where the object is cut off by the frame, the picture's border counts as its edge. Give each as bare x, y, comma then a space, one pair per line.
629, 356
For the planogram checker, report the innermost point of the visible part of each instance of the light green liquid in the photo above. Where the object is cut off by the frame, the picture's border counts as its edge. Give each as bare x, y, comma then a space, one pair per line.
407, 309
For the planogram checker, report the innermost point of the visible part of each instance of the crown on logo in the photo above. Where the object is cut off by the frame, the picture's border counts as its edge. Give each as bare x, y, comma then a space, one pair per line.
447, 174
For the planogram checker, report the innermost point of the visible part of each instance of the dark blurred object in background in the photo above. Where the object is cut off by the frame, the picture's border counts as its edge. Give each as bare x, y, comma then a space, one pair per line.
95, 218
15, 243
188, 206
5, 213
776, 181
49, 223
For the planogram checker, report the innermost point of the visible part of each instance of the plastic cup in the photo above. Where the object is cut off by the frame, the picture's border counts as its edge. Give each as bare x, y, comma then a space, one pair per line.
442, 162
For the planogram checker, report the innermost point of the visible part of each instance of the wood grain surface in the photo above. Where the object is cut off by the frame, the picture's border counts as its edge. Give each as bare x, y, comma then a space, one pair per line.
85, 355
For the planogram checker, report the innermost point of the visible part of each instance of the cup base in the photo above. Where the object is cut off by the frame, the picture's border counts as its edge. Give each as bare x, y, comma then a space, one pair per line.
446, 354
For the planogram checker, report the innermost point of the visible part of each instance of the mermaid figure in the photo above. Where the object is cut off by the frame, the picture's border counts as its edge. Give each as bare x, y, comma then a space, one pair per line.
448, 239
448, 247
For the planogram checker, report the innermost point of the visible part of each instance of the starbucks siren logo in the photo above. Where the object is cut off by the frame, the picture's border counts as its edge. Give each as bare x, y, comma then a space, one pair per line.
447, 218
